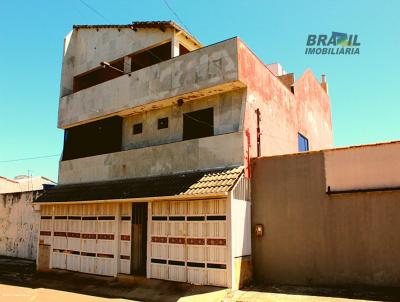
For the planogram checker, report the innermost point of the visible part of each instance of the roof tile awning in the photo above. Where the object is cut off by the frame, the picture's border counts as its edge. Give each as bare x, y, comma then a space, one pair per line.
216, 181
141, 24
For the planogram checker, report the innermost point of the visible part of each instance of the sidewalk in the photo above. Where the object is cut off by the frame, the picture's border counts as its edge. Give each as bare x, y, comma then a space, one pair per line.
19, 282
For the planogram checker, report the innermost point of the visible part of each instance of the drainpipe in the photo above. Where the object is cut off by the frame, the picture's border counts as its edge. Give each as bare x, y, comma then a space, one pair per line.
258, 132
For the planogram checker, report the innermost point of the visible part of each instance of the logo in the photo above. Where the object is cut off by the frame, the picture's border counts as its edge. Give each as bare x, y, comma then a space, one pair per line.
335, 44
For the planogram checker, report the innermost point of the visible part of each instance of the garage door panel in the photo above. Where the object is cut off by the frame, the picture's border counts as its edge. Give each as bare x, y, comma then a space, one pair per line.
46, 225
159, 270
88, 263
159, 251
104, 266
177, 272
160, 208
73, 261
159, 227
216, 254
177, 250
59, 259
216, 229
125, 240
196, 207
196, 253
60, 243
125, 248
196, 275
177, 208
177, 227
217, 277
106, 226
216, 206
196, 227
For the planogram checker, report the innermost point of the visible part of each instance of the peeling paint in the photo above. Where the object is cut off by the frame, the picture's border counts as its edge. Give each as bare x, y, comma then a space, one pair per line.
19, 225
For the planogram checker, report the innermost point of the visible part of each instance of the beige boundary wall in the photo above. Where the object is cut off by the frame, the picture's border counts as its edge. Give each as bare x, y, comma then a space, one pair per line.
347, 237
19, 225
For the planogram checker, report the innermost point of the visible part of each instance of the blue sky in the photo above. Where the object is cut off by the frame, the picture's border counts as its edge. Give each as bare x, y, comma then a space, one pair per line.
363, 88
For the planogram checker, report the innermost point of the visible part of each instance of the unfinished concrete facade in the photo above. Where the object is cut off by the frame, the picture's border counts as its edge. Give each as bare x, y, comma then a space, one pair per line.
328, 217
146, 104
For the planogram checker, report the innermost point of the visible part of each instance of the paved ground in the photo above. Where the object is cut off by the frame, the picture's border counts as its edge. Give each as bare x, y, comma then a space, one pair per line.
20, 282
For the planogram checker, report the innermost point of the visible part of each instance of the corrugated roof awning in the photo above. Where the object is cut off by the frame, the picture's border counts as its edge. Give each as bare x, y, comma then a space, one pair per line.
208, 182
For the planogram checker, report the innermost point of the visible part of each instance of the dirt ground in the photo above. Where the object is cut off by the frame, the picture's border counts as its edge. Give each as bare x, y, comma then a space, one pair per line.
20, 282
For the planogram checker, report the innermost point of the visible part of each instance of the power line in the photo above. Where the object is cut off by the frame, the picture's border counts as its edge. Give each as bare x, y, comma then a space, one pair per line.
28, 158
95, 11
109, 21
176, 15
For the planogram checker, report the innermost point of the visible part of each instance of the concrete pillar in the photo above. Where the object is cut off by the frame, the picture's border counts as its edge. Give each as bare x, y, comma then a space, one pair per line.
127, 64
174, 45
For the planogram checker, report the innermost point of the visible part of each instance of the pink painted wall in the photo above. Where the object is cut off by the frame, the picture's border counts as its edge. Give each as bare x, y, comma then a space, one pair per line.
283, 114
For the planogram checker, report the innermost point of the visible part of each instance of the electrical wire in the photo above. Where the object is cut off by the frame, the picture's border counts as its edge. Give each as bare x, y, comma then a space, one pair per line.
176, 15
109, 21
28, 158
199, 121
95, 11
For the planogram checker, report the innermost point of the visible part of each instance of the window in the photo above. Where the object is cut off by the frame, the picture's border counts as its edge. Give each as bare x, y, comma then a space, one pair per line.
303, 143
163, 123
99, 137
151, 56
98, 75
198, 124
137, 128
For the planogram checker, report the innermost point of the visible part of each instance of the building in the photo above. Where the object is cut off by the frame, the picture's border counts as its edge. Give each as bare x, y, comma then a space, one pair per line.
159, 133
328, 217
19, 222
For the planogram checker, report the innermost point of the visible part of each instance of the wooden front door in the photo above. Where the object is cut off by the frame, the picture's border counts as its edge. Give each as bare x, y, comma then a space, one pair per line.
139, 238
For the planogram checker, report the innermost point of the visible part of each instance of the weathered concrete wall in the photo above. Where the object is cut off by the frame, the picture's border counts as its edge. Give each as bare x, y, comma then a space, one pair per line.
227, 118
283, 114
19, 225
203, 72
313, 112
196, 154
365, 167
311, 237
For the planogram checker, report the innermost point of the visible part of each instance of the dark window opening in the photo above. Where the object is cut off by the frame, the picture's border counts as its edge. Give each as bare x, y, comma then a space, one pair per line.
138, 61
138, 128
151, 56
98, 75
163, 123
198, 124
183, 50
303, 143
100, 137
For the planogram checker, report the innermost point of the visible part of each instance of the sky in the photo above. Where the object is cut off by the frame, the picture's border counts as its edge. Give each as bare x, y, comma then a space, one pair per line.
363, 88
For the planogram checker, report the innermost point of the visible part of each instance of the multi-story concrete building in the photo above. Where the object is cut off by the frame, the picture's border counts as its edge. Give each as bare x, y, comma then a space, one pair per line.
159, 132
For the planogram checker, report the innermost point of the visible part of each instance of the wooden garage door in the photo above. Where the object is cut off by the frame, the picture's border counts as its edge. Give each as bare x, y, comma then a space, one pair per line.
188, 241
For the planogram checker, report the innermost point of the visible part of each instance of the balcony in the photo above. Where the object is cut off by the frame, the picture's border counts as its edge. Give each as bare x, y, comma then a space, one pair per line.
206, 71
196, 154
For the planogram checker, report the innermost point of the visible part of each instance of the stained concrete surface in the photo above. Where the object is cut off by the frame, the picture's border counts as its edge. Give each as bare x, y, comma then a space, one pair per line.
20, 282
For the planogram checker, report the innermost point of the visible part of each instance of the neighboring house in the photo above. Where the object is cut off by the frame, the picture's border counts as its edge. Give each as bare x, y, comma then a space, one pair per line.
159, 133
329, 217
19, 222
